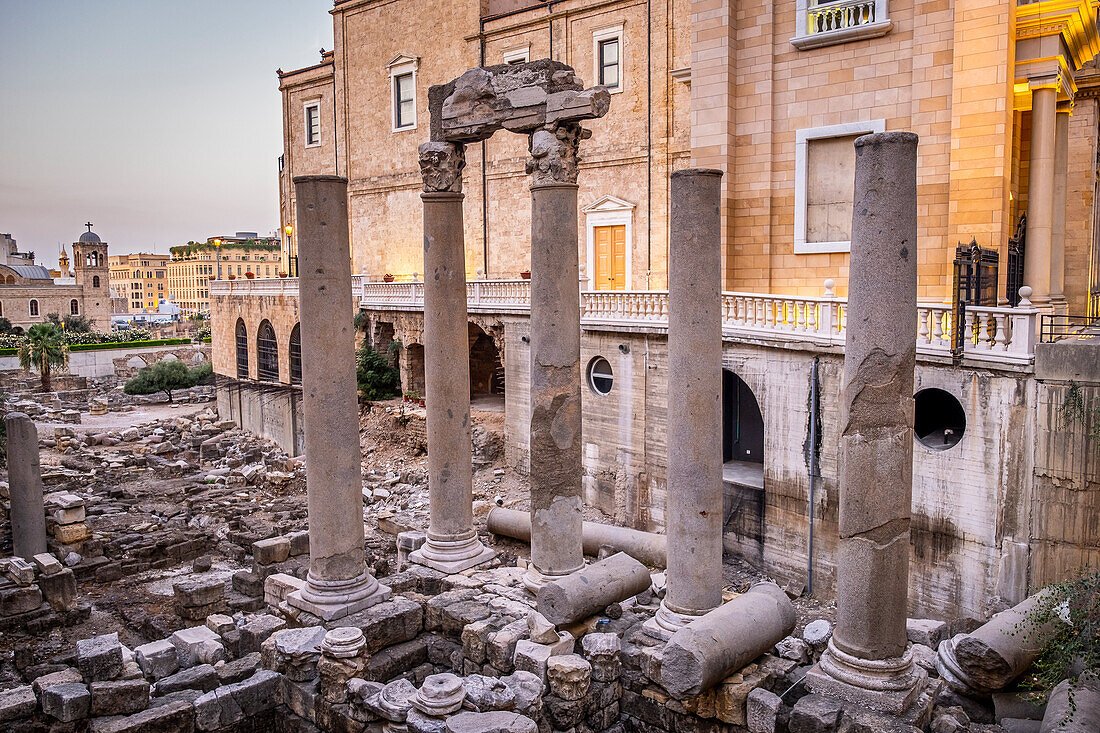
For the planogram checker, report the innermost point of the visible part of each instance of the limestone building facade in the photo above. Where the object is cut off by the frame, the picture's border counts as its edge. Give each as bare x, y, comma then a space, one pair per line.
28, 292
141, 280
771, 93
192, 266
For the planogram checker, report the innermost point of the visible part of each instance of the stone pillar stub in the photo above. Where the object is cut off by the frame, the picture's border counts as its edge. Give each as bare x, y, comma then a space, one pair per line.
867, 661
693, 503
555, 440
1040, 195
338, 582
452, 545
28, 513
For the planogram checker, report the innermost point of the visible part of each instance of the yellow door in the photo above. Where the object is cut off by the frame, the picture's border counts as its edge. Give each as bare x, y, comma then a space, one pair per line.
610, 257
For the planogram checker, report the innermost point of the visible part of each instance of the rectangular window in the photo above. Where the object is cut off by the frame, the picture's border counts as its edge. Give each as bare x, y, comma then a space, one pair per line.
313, 124
404, 101
609, 63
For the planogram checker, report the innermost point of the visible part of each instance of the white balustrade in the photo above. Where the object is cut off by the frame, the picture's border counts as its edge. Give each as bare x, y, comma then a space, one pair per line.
827, 17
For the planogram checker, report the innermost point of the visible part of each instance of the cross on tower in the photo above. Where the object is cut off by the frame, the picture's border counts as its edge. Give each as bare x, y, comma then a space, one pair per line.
89, 225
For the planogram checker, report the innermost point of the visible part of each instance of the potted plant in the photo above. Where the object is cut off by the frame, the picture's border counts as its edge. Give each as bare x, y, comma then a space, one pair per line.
211, 277
232, 277
250, 275
282, 274
387, 278
525, 275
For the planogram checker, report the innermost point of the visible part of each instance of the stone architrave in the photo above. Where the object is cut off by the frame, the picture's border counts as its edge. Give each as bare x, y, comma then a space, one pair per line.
452, 545
694, 474
28, 513
866, 661
555, 438
338, 582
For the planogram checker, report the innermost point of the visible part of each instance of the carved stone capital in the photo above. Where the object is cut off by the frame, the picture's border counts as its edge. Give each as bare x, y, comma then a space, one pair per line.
554, 153
441, 166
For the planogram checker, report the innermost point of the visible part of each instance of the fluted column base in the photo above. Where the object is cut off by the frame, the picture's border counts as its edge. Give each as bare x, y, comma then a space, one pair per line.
885, 685
452, 555
333, 599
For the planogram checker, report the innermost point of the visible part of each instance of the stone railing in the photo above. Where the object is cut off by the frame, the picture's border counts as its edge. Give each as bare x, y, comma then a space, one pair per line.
259, 286
838, 16
991, 334
839, 21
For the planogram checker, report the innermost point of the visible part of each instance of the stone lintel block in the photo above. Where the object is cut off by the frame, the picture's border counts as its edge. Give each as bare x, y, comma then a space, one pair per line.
270, 551
119, 697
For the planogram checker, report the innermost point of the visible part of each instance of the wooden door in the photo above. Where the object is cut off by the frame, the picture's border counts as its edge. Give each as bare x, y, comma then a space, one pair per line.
610, 257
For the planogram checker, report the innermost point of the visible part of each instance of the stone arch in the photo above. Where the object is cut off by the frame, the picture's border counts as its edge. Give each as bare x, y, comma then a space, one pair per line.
295, 353
267, 352
412, 368
242, 349
74, 307
33, 307
744, 501
198, 358
486, 366
136, 362
169, 357
95, 280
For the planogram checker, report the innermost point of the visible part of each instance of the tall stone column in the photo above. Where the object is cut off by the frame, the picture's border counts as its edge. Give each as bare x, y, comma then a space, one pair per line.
867, 661
555, 356
338, 583
693, 504
1058, 226
452, 544
28, 513
1040, 196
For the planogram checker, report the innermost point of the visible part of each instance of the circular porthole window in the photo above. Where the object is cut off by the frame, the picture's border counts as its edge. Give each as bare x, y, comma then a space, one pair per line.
600, 376
939, 419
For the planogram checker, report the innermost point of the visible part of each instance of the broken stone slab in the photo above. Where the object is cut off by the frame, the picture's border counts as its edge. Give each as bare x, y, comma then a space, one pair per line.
926, 631
197, 645
997, 652
715, 645
541, 631
233, 703
569, 676
17, 703
157, 659
493, 722
67, 702
119, 697
297, 652
484, 694
100, 658
177, 716
582, 594
202, 677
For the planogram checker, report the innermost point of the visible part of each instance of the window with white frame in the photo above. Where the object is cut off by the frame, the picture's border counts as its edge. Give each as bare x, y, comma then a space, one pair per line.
607, 52
826, 22
825, 164
520, 55
403, 91
313, 123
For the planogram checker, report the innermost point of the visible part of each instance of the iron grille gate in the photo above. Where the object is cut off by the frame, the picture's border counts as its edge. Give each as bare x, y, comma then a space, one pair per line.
1015, 265
975, 285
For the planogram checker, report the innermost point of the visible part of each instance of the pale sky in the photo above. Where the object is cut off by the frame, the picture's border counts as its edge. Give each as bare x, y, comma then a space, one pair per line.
157, 120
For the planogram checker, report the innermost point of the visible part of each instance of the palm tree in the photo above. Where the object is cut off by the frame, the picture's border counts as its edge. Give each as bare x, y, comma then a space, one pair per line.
43, 349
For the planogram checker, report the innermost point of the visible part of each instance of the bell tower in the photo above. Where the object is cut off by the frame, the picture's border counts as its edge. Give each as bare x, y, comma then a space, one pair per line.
90, 264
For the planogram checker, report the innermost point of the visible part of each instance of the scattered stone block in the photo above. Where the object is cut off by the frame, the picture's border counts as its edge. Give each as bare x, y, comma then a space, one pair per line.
157, 659
59, 589
794, 649
297, 652
540, 630
762, 710
271, 551
194, 642
501, 645
66, 702
68, 534
99, 658
56, 678
277, 587
396, 660
532, 657
815, 714
177, 716
18, 600
299, 543
393, 621
120, 697
249, 583
485, 694
17, 703
926, 631
239, 669
491, 722
47, 563
203, 677
191, 593
19, 571
220, 624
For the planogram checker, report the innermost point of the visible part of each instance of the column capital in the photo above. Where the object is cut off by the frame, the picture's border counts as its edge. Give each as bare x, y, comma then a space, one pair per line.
441, 165
554, 153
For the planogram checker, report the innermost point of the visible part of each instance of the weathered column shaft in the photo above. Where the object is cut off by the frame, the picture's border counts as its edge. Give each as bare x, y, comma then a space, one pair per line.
28, 515
876, 443
694, 476
1058, 221
1040, 195
452, 544
555, 440
338, 581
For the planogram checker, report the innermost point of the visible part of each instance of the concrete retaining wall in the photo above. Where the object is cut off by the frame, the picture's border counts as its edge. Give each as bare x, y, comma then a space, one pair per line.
122, 362
272, 411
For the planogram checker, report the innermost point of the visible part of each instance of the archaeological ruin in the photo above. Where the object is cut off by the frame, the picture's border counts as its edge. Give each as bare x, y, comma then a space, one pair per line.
580, 554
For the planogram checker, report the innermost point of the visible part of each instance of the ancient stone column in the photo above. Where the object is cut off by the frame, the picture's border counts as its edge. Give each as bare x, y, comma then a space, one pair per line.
867, 661
1040, 195
555, 356
452, 544
28, 513
338, 582
1058, 222
693, 503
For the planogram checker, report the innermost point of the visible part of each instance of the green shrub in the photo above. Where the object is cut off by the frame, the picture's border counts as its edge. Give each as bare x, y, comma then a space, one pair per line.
165, 376
5, 326
377, 379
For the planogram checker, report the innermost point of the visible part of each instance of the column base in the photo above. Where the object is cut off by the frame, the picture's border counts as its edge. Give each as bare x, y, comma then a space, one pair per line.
534, 578
667, 622
333, 599
885, 685
452, 557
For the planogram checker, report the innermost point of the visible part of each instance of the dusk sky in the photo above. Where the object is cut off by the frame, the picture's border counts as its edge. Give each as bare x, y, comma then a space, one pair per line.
158, 121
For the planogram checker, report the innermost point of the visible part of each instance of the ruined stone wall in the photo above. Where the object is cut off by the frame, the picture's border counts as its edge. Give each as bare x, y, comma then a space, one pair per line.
270, 411
225, 310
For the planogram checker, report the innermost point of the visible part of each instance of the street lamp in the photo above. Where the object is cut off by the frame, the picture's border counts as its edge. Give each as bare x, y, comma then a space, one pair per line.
218, 253
291, 259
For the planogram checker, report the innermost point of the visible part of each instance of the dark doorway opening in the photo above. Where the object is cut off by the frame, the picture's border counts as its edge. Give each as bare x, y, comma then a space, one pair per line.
486, 371
742, 422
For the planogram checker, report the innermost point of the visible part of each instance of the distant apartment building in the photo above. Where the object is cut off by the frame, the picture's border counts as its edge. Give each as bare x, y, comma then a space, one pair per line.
139, 279
192, 266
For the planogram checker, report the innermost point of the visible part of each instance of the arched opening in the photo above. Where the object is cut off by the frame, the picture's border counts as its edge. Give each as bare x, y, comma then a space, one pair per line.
296, 354
74, 307
267, 353
34, 307
486, 371
939, 419
412, 369
381, 340
742, 469
242, 350
95, 281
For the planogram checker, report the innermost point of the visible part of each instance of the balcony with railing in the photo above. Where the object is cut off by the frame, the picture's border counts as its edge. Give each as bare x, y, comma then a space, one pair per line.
823, 23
